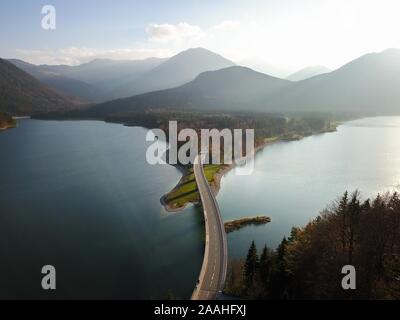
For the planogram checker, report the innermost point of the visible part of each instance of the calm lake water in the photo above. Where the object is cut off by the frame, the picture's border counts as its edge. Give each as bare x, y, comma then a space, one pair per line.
293, 181
79, 195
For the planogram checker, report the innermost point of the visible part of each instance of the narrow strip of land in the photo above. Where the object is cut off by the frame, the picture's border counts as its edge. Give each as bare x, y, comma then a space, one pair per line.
213, 272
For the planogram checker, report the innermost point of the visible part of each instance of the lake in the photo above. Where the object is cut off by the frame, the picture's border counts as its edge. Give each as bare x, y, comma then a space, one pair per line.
79, 195
293, 181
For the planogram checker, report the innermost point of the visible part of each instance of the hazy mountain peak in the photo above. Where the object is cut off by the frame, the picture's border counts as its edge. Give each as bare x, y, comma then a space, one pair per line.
235, 80
392, 50
176, 71
199, 54
387, 60
197, 50
366, 84
22, 62
308, 72
264, 66
98, 61
239, 72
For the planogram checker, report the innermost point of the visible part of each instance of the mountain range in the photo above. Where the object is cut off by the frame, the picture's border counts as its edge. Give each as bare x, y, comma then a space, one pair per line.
366, 85
21, 94
93, 81
369, 84
202, 80
308, 72
176, 71
234, 88
106, 79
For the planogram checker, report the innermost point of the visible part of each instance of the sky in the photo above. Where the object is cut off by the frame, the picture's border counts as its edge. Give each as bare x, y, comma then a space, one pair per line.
281, 36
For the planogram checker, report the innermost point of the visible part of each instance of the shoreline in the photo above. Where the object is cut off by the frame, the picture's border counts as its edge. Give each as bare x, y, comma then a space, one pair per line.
9, 126
237, 224
7, 122
215, 186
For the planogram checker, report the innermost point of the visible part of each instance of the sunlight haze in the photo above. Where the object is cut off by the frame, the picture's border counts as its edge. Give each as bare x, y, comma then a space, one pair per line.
287, 35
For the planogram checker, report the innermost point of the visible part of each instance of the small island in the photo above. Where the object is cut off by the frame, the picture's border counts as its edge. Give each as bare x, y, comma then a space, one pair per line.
234, 225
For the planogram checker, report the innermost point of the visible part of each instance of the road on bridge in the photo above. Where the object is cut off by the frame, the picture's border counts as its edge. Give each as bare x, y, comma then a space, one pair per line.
213, 271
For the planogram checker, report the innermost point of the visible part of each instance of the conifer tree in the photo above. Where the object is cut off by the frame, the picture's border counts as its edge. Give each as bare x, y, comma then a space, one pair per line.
265, 267
251, 265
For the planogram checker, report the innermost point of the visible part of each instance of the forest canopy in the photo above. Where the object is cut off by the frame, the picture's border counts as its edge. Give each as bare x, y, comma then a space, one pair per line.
307, 265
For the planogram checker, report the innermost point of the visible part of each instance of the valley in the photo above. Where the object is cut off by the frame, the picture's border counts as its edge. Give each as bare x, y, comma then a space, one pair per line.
85, 148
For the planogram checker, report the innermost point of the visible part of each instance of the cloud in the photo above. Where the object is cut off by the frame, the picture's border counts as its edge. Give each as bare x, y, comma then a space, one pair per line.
164, 40
79, 55
226, 26
182, 31
295, 35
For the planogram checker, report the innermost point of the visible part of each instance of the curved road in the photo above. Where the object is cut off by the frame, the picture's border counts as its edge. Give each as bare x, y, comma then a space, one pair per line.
213, 271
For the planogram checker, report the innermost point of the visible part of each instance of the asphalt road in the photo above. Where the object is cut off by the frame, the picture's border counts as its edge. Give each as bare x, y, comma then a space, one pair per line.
213, 272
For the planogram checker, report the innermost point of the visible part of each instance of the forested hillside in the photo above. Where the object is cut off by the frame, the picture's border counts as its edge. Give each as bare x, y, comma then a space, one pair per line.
21, 94
307, 265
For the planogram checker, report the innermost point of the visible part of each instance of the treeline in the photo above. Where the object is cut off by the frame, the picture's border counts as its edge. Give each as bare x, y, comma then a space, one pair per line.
308, 264
265, 125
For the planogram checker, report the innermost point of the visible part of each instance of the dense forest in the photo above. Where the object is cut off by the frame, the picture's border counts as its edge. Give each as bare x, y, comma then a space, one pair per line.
308, 265
265, 125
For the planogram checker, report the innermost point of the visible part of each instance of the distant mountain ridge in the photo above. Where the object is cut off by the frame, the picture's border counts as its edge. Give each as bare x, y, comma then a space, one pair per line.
365, 85
105, 79
230, 89
368, 84
93, 81
176, 71
308, 72
21, 94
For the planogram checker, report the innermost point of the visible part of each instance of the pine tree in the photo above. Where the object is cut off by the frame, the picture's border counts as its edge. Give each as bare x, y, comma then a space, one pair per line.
281, 250
265, 267
342, 212
354, 217
280, 283
251, 265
